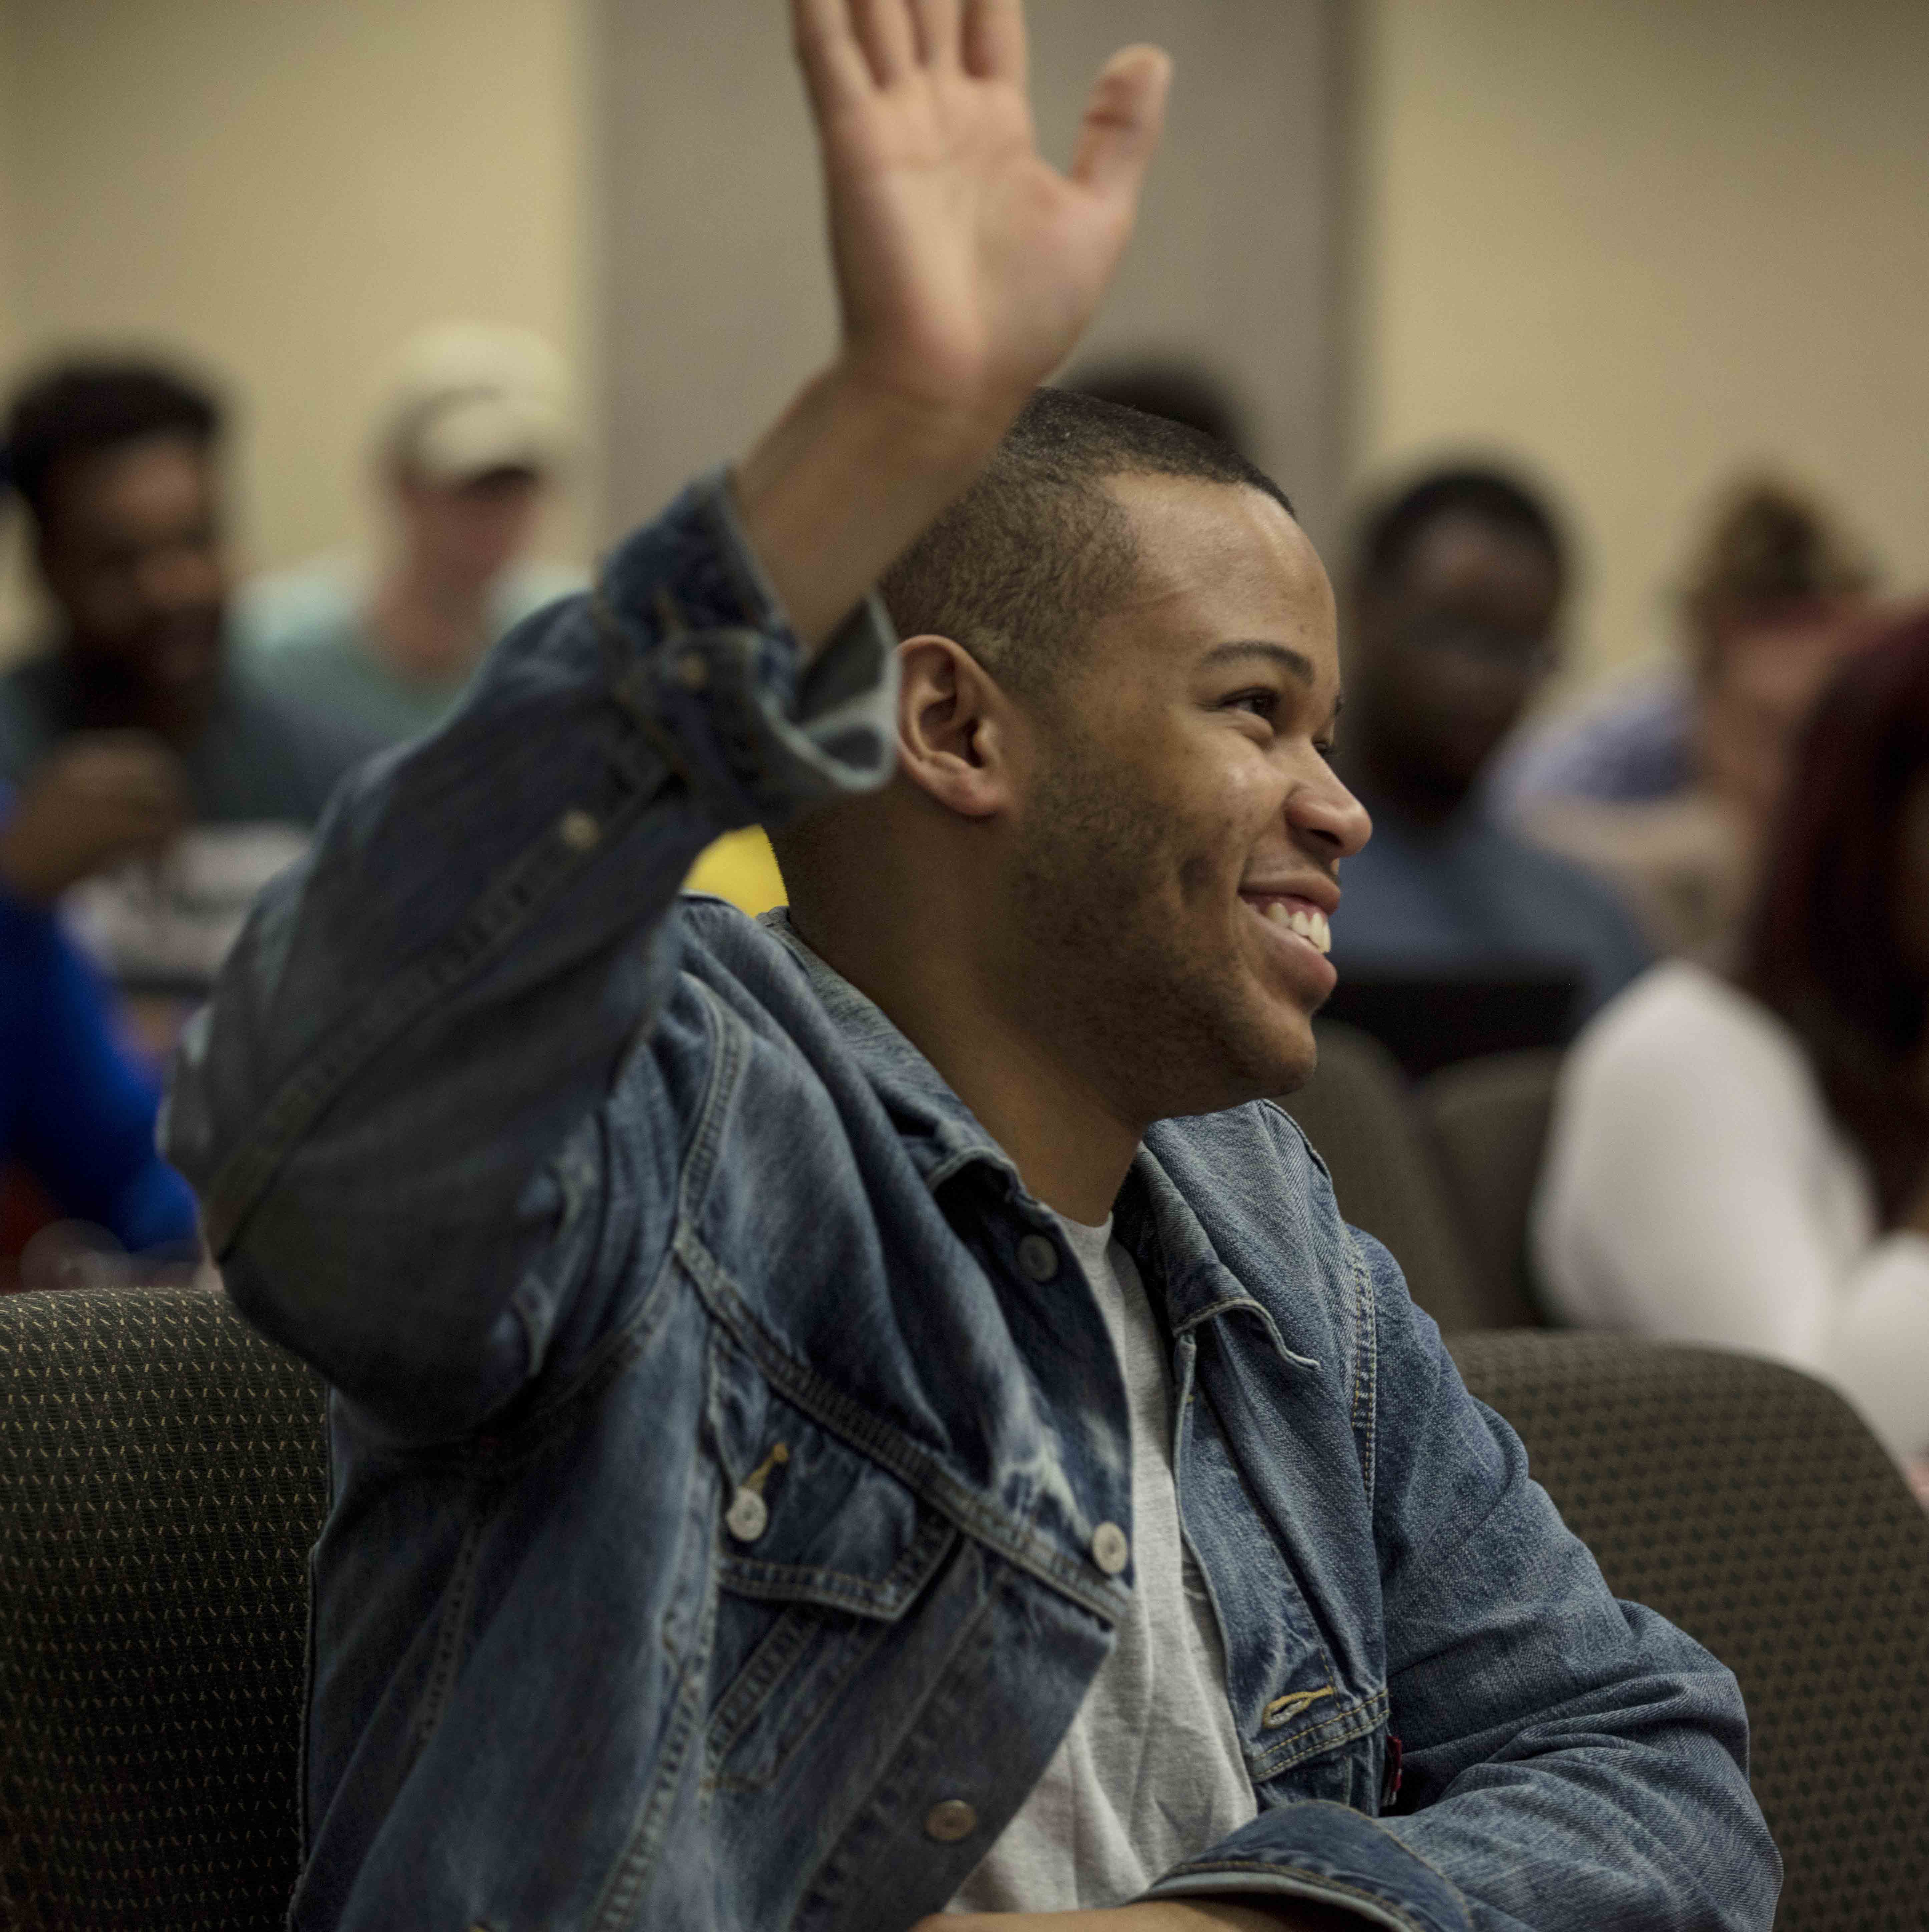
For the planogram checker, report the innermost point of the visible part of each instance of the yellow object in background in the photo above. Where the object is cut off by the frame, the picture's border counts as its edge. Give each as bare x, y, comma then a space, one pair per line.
742, 868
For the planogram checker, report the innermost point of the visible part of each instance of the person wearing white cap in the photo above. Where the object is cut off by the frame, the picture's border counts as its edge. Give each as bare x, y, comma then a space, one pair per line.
475, 428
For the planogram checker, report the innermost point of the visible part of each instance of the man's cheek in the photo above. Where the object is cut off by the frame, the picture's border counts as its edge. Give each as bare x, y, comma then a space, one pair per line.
1250, 800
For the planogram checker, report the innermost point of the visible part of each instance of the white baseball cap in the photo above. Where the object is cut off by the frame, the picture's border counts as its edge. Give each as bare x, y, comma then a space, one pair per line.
467, 398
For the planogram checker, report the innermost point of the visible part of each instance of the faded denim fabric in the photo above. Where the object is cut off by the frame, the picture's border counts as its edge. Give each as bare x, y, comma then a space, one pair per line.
585, 1199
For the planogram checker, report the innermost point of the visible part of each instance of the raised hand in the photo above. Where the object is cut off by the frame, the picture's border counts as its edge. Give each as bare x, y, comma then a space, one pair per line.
967, 266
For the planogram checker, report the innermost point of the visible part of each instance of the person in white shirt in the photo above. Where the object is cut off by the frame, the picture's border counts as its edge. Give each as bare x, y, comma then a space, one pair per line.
1744, 1162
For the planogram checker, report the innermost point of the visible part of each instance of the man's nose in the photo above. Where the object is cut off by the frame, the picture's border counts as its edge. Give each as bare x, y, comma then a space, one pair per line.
1325, 812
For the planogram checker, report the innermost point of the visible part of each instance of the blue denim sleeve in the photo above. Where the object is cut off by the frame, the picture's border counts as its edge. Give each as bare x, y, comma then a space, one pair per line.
394, 1109
1570, 1761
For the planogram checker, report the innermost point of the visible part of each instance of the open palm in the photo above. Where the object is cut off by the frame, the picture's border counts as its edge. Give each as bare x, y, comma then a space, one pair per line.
967, 265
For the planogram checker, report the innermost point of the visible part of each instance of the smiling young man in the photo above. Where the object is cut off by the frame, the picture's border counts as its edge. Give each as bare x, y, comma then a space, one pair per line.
870, 1414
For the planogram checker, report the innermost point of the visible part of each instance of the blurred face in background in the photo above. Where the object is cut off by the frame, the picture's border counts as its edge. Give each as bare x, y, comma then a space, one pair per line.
1766, 668
130, 550
464, 534
1450, 652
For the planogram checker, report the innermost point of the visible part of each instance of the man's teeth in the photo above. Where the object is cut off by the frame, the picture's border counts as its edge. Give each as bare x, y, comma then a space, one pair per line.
1308, 921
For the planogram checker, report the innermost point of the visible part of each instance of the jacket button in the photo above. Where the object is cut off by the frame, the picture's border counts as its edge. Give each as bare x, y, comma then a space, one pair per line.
747, 1517
692, 673
950, 1821
1111, 1551
578, 830
1038, 1256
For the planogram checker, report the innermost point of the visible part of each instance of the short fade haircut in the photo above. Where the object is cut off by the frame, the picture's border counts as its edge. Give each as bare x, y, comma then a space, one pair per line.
1392, 528
80, 409
1021, 566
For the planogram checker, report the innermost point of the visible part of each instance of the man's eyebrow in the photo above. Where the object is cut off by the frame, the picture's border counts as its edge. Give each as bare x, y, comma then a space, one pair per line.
1284, 656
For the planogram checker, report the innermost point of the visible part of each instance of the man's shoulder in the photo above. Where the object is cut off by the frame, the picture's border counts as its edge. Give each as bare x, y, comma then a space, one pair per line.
1681, 1028
1630, 743
526, 588
315, 604
1552, 876
282, 758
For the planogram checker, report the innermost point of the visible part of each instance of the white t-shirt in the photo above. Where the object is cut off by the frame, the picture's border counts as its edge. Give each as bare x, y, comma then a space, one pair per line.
1151, 1772
1697, 1188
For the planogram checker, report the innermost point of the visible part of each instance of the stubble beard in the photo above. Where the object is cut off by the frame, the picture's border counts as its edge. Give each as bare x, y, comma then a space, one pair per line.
1118, 976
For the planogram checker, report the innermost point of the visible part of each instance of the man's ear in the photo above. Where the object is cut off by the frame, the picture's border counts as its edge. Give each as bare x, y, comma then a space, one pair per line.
960, 737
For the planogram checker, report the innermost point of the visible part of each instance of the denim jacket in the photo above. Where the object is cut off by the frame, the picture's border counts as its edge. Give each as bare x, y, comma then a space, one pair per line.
729, 1460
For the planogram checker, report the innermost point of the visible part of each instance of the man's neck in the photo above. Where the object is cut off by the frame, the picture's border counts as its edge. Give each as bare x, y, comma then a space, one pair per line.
1070, 1146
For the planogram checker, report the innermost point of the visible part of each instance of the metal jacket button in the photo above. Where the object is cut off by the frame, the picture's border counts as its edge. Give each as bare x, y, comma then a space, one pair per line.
578, 829
1038, 1256
748, 1515
1111, 1551
950, 1821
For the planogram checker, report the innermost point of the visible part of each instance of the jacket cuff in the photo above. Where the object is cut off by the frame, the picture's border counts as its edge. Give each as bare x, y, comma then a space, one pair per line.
705, 658
1327, 1854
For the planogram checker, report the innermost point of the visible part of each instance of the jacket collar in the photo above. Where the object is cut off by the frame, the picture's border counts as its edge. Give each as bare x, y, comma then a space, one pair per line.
1159, 1218
941, 1135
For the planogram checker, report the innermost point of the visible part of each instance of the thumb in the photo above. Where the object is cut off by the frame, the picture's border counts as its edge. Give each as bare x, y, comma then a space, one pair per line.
1122, 123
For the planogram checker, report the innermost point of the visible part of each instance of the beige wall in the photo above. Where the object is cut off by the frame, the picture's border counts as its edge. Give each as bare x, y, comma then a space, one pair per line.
14, 610
1641, 242
9, 265
717, 293
282, 192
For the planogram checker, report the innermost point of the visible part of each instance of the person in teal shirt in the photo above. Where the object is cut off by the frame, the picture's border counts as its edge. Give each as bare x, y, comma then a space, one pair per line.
470, 442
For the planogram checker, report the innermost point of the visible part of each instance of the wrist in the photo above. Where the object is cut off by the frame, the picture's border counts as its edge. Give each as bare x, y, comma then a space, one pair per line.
852, 473
944, 426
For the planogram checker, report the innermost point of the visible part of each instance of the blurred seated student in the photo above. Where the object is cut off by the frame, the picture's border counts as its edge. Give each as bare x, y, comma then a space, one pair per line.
469, 443
156, 786
1452, 608
77, 1106
1744, 1160
1663, 785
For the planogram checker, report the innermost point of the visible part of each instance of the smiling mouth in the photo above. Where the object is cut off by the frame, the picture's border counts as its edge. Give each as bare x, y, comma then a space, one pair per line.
1295, 916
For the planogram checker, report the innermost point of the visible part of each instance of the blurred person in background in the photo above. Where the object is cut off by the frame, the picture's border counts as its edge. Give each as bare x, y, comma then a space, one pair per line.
1743, 1160
1454, 605
1665, 787
156, 786
77, 1102
469, 443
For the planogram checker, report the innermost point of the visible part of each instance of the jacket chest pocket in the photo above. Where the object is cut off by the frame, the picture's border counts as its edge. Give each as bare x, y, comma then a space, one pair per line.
819, 1552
